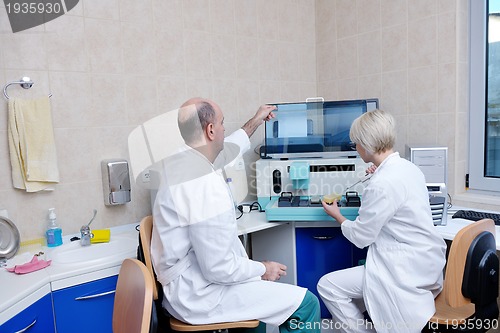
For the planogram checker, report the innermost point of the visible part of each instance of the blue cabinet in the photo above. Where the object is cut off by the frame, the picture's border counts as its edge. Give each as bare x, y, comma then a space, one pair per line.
37, 318
86, 307
320, 251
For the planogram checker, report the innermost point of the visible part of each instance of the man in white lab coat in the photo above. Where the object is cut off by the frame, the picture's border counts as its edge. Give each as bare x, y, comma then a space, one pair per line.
406, 255
205, 272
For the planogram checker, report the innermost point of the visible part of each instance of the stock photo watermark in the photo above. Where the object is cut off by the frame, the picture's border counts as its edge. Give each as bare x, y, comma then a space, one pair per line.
27, 14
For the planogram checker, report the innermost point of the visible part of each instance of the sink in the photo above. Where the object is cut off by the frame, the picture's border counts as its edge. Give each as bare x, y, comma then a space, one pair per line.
72, 253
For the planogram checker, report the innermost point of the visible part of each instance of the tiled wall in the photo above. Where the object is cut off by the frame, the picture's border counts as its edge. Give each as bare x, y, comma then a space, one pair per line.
113, 64
413, 55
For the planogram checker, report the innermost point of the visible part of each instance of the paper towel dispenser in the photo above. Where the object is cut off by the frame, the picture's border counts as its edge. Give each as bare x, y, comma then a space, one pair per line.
116, 181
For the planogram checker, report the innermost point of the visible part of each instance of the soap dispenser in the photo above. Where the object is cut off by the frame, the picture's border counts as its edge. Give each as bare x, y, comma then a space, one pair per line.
54, 232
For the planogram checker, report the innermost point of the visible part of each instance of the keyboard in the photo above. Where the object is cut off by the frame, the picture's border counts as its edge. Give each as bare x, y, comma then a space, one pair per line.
473, 215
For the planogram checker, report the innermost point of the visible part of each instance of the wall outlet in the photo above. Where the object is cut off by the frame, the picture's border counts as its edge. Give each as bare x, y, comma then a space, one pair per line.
146, 176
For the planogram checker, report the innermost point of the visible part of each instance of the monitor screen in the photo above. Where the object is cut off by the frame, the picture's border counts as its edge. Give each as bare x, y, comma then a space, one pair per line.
312, 129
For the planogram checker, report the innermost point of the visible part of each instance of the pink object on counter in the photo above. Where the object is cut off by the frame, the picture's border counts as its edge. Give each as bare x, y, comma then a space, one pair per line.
33, 265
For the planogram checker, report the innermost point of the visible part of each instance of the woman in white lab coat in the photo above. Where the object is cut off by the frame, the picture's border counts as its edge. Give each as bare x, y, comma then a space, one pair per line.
406, 255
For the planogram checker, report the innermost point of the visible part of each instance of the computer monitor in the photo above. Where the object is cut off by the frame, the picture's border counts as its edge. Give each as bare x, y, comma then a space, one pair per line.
313, 129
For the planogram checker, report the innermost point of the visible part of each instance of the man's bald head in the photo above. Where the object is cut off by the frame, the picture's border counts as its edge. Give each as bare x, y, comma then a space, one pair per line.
194, 116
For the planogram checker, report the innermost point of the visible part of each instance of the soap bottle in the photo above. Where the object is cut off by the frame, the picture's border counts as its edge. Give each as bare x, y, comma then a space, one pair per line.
53, 233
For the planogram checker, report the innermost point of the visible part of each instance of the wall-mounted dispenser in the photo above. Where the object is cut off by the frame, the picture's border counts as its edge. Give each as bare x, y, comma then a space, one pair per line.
115, 181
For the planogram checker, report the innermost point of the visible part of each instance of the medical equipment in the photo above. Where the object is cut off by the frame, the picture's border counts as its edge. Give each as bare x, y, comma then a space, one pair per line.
307, 154
291, 190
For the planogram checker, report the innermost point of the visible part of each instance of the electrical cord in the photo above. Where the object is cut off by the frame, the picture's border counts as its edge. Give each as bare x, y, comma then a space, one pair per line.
253, 206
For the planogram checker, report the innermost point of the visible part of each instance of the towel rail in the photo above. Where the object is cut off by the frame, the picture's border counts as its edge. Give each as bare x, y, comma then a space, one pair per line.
25, 83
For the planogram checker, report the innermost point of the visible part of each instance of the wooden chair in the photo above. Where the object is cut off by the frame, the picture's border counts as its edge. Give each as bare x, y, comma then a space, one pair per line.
133, 298
145, 232
470, 288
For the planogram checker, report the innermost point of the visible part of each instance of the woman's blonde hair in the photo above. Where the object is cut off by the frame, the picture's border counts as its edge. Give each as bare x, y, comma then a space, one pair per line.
375, 131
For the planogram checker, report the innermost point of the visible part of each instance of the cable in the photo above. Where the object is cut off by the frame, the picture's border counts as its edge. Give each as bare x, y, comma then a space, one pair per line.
253, 206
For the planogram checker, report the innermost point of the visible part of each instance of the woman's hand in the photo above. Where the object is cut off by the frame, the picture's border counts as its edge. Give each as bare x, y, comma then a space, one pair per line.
371, 169
334, 211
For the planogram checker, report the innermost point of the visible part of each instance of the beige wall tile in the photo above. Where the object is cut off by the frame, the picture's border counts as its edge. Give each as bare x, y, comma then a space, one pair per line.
447, 38
394, 12
348, 89
422, 129
347, 57
370, 86
225, 94
369, 15
197, 46
395, 48
267, 14
140, 99
104, 45
370, 53
422, 42
21, 48
287, 19
113, 64
138, 12
326, 24
447, 88
394, 92
422, 90
421, 8
346, 18
222, 16
70, 102
101, 9
245, 13
138, 50
195, 14
170, 56
223, 50
326, 61
247, 58
168, 14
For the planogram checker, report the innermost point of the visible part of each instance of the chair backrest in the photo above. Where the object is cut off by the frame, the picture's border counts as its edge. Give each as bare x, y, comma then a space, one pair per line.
457, 257
133, 298
145, 233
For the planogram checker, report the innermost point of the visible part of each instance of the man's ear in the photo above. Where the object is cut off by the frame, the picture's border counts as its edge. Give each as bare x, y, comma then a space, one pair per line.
209, 131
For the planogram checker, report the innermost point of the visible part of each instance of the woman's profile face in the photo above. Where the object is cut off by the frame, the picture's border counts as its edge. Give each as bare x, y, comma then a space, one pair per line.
362, 153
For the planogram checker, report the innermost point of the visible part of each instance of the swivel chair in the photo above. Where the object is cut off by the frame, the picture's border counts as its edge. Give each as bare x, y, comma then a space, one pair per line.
133, 298
468, 301
144, 252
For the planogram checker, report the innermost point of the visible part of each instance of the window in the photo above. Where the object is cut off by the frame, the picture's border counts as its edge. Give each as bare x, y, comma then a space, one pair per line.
484, 151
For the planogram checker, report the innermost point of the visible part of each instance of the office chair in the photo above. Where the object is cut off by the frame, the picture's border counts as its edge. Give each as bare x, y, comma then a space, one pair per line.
468, 301
133, 298
145, 233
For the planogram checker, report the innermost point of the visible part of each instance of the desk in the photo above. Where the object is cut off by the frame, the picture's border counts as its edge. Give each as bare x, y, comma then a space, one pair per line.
452, 227
276, 240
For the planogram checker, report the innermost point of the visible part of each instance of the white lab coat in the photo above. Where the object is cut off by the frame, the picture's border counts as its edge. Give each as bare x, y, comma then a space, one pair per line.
197, 255
406, 255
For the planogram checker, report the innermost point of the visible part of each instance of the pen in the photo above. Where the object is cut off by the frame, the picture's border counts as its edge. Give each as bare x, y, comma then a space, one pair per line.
362, 180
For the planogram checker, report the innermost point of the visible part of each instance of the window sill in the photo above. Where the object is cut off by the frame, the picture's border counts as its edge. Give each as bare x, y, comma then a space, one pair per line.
476, 199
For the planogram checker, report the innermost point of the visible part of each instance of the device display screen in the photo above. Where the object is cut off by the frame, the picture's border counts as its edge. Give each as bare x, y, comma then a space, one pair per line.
313, 129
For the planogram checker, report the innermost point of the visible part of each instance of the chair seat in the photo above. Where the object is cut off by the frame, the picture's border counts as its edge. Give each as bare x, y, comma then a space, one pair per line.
445, 314
178, 325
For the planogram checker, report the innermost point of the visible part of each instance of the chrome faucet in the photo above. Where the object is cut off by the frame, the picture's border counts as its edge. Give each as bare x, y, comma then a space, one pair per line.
85, 233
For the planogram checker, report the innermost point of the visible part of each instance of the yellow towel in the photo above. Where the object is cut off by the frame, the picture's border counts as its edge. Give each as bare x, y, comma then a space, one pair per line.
31, 145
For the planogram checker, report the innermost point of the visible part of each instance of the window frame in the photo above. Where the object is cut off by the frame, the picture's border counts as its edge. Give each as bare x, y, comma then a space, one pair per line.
477, 102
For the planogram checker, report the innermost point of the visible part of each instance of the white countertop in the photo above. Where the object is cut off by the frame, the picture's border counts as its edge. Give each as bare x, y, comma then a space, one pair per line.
452, 226
18, 291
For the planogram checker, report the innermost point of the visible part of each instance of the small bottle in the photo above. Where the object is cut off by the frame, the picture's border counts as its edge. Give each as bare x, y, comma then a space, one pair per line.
229, 182
53, 233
